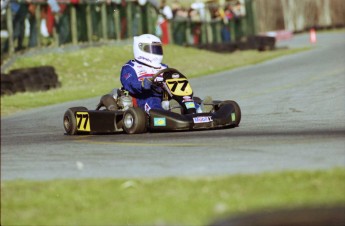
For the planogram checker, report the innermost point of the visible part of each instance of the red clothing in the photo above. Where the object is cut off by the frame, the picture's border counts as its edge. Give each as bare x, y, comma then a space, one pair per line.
165, 32
50, 20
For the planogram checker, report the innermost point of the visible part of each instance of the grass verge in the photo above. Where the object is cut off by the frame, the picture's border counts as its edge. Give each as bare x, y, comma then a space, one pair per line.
94, 71
167, 201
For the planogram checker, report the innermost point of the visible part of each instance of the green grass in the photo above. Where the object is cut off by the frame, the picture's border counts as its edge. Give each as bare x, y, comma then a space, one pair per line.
168, 201
94, 71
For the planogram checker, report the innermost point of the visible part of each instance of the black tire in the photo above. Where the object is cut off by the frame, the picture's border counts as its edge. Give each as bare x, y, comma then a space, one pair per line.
69, 120
134, 121
237, 111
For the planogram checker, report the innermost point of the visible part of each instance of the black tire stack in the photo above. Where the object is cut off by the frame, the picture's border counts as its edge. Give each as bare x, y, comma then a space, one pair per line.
261, 42
258, 42
29, 79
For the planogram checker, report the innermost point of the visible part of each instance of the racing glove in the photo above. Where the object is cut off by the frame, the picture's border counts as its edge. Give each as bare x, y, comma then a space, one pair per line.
146, 84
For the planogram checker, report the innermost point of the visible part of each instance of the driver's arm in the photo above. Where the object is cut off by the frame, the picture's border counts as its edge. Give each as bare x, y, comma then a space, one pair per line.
129, 80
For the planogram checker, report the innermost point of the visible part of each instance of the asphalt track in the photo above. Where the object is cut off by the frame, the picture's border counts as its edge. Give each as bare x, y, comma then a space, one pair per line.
293, 111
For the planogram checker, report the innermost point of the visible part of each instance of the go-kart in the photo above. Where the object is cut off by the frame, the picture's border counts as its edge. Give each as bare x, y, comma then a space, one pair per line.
117, 112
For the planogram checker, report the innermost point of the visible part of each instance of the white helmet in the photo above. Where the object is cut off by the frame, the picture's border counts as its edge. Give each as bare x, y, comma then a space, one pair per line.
148, 49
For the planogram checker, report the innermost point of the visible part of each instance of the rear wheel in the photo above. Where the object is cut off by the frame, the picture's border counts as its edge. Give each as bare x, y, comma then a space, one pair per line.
134, 120
236, 114
69, 120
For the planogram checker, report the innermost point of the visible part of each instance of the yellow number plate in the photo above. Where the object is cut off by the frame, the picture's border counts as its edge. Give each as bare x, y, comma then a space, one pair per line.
83, 121
179, 87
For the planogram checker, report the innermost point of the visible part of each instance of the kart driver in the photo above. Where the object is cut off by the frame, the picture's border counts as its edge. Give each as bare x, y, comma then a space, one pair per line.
135, 77
136, 74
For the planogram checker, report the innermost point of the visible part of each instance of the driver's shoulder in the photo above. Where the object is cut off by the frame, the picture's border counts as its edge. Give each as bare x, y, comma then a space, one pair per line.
129, 66
129, 63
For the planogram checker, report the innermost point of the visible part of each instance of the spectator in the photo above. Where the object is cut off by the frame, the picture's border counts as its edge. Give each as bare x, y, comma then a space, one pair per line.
52, 9
199, 6
19, 13
229, 14
165, 14
81, 21
4, 4
63, 27
32, 22
238, 13
226, 16
215, 20
57, 15
180, 15
197, 15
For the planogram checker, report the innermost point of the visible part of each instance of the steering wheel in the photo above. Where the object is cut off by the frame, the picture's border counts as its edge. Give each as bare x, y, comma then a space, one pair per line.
157, 85
162, 72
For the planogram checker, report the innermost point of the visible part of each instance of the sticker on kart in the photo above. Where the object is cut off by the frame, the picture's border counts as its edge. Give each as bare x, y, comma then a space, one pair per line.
179, 86
159, 122
202, 119
83, 121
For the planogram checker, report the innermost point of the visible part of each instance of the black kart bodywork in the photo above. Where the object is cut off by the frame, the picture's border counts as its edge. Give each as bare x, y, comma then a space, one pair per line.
175, 86
224, 115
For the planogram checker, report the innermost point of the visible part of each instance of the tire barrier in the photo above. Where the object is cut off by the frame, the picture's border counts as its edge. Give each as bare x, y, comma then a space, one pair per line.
29, 79
301, 216
261, 42
258, 42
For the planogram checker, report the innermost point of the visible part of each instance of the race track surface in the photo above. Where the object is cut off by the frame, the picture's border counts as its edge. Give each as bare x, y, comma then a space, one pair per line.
293, 112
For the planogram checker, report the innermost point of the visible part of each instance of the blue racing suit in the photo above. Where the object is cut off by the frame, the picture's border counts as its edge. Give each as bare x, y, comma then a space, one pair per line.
132, 75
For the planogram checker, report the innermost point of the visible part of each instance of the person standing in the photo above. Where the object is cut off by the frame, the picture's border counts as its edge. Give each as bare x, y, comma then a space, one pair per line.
165, 14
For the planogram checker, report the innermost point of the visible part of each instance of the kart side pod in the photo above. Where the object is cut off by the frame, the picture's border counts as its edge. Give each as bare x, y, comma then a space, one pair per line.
224, 116
80, 120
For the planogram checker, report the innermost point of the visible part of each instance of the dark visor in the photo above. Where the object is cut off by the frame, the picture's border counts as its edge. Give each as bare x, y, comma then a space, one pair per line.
152, 48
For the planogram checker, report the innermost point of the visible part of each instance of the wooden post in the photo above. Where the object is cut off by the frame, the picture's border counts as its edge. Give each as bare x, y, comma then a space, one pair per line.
55, 33
89, 22
129, 19
104, 21
38, 24
10, 30
203, 33
188, 31
209, 34
250, 14
243, 27
218, 37
232, 30
74, 30
148, 18
117, 24
139, 18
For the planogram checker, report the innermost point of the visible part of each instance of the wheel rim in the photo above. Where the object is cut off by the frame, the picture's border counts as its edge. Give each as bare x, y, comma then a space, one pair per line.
67, 124
128, 121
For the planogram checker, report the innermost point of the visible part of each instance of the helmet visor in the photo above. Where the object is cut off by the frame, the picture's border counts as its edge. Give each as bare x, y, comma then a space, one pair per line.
154, 48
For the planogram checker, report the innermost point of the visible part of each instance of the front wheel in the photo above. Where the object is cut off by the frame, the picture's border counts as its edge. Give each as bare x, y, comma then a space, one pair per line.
69, 120
134, 121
